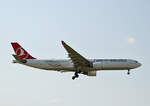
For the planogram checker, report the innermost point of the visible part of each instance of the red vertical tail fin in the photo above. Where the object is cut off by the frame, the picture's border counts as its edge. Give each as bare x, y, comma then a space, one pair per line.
20, 51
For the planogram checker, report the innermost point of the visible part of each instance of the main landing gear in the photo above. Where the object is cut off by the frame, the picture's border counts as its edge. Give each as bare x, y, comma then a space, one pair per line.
128, 73
76, 74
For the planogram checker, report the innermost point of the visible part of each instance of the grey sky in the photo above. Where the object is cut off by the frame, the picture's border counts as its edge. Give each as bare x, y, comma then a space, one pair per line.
96, 29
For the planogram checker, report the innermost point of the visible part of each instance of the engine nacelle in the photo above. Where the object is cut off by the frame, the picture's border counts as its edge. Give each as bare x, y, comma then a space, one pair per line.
91, 73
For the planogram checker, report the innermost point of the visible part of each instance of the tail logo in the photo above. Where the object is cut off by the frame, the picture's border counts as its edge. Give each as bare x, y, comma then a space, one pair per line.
20, 52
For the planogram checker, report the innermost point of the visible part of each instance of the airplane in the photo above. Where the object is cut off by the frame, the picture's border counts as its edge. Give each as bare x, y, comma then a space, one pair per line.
77, 63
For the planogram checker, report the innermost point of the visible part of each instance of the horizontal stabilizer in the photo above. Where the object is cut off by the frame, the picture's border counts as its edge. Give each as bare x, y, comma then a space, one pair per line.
19, 59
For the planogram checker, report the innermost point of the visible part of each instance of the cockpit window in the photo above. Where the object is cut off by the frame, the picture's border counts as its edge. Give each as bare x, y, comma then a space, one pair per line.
136, 61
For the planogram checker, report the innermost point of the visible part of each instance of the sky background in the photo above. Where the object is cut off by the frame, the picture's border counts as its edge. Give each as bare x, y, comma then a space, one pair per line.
94, 28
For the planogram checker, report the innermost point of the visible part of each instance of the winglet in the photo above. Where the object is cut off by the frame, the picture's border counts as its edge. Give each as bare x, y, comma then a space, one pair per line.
63, 43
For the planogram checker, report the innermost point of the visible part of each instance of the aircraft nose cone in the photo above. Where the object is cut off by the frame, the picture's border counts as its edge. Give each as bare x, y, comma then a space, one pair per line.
139, 64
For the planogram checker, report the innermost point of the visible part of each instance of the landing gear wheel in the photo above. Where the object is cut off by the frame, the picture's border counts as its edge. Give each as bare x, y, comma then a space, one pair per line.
73, 77
128, 72
76, 74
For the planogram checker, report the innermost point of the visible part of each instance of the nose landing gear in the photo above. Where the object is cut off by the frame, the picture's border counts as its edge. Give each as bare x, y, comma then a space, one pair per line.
128, 73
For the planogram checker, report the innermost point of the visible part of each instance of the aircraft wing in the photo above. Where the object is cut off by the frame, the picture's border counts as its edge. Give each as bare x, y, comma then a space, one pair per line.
77, 59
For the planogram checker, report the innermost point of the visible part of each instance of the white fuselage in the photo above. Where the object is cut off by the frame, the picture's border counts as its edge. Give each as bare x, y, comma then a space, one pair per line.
98, 64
